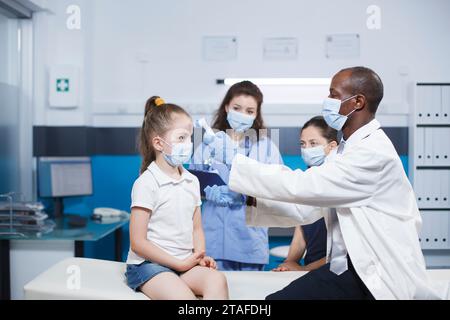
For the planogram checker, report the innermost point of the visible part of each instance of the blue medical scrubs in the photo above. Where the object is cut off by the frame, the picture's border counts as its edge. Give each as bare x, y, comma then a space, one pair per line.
233, 244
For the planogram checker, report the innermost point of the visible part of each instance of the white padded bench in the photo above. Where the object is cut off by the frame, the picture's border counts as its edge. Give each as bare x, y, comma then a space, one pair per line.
101, 279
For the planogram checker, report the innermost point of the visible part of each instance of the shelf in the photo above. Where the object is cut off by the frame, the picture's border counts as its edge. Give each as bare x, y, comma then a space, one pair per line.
430, 164
437, 125
433, 84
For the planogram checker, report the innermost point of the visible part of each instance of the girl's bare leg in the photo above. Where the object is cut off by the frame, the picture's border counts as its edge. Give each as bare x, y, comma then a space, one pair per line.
208, 283
167, 286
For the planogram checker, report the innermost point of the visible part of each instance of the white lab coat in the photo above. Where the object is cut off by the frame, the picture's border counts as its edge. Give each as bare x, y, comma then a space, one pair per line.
375, 204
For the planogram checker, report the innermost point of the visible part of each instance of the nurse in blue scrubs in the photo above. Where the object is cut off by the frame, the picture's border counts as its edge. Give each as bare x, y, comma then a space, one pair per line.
237, 125
317, 140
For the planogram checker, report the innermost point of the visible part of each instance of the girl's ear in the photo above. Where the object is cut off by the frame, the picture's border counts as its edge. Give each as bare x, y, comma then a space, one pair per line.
227, 108
157, 144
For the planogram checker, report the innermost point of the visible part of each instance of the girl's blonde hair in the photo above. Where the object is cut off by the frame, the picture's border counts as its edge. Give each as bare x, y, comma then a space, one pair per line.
158, 118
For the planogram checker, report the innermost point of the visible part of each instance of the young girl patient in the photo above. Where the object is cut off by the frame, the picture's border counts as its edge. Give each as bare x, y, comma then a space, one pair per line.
167, 258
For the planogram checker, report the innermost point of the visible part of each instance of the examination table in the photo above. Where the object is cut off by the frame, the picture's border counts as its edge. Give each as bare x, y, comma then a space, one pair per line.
82, 278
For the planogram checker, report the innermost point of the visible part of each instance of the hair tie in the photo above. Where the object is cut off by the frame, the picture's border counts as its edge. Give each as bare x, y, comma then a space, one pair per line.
159, 102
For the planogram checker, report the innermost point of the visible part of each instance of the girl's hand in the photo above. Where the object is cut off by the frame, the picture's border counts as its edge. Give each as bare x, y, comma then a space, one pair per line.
208, 262
191, 261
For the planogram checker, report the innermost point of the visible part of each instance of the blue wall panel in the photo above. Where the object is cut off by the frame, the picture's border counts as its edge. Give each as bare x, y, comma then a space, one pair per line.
113, 178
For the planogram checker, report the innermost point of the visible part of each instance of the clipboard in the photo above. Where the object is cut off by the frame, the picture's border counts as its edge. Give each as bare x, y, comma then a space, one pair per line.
207, 178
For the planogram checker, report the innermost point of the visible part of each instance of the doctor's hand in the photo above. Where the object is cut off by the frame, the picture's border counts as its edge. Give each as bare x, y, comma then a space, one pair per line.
190, 262
289, 266
223, 196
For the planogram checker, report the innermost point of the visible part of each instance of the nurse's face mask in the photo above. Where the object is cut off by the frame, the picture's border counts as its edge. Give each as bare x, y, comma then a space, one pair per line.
241, 112
239, 121
330, 112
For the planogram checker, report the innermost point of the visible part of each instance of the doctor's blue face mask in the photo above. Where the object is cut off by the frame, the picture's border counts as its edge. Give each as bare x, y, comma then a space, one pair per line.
240, 122
330, 112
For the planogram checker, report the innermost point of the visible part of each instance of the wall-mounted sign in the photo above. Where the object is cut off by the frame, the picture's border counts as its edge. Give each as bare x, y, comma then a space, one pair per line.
219, 48
63, 86
342, 46
280, 49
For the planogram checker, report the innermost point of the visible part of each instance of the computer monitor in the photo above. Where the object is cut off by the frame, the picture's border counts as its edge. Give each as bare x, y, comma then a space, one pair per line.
60, 177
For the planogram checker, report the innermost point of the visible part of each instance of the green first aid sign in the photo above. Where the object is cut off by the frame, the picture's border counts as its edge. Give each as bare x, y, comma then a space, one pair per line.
62, 85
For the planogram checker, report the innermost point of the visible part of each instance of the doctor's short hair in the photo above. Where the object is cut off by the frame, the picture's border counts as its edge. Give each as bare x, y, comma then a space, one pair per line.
327, 132
367, 82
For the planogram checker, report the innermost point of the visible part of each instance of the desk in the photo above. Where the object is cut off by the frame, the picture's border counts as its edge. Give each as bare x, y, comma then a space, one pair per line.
93, 231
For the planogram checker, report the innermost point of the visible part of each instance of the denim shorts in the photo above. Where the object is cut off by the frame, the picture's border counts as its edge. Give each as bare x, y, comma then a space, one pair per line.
138, 274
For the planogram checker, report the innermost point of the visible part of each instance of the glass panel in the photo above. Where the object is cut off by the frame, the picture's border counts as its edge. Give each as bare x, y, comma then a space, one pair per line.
9, 104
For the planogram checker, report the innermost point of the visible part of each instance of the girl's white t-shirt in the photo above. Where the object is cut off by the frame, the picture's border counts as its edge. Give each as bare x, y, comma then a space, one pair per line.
172, 204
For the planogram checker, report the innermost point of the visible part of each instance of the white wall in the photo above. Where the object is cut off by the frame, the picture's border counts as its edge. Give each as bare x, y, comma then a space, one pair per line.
115, 34
55, 44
